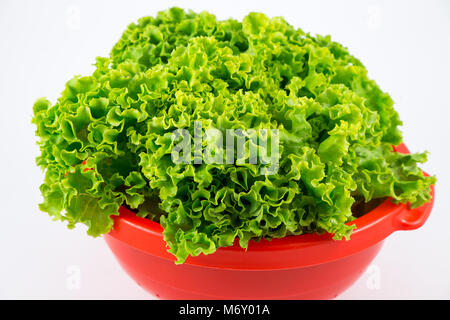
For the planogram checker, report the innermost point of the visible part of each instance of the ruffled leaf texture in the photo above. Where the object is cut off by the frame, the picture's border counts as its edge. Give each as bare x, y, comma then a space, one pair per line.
107, 141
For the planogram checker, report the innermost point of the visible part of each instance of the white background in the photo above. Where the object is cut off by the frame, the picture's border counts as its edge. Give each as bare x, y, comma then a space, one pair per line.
404, 45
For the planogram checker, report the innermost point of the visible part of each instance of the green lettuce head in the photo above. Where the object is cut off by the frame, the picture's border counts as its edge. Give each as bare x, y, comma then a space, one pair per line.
109, 139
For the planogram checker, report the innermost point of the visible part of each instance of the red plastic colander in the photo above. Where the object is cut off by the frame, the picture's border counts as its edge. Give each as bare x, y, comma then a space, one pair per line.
307, 266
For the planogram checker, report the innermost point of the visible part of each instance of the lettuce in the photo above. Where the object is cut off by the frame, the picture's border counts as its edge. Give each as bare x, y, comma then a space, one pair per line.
107, 141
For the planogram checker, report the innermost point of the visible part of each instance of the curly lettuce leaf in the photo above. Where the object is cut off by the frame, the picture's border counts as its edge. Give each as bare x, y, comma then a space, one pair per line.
107, 141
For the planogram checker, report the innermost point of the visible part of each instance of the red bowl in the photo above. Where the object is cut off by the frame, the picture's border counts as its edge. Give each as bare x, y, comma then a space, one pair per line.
308, 266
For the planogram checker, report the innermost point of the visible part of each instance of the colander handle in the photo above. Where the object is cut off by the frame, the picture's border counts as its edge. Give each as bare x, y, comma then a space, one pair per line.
411, 219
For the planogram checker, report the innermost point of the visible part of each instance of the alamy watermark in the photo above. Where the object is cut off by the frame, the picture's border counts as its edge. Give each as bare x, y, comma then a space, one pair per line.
258, 147
373, 281
73, 17
73, 280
